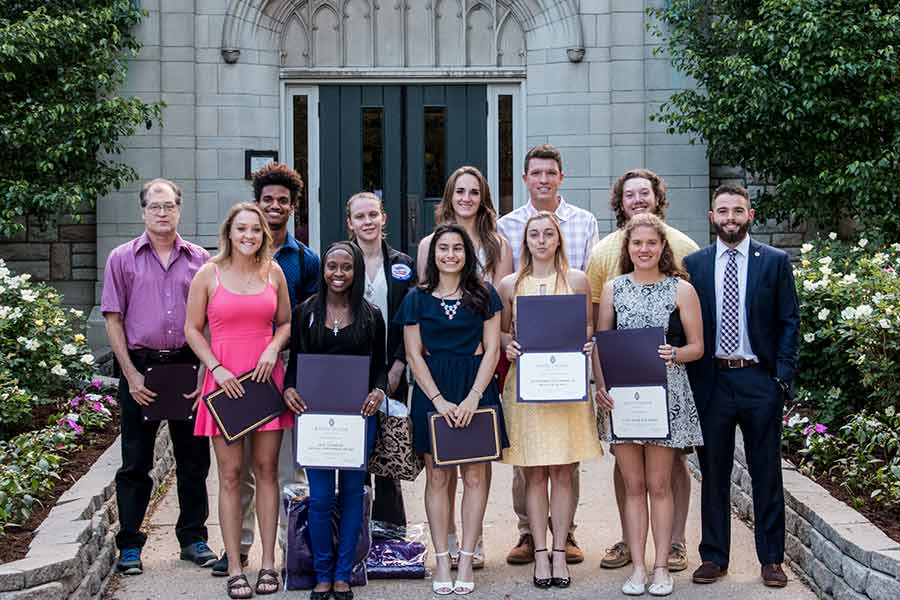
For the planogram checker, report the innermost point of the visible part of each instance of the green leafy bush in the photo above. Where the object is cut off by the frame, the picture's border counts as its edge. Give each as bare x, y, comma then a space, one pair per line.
862, 456
41, 356
62, 121
31, 463
850, 327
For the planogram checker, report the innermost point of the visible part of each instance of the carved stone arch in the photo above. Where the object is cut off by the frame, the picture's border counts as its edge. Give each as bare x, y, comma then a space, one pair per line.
294, 54
246, 20
480, 35
325, 38
509, 31
450, 32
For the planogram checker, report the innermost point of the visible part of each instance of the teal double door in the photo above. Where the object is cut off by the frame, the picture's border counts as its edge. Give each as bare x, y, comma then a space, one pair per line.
400, 142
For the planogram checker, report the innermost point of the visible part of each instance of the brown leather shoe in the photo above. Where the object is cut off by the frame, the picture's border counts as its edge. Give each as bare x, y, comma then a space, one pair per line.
709, 572
574, 554
523, 553
773, 576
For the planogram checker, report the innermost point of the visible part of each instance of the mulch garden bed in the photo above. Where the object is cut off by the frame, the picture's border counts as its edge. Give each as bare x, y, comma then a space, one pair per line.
14, 541
885, 519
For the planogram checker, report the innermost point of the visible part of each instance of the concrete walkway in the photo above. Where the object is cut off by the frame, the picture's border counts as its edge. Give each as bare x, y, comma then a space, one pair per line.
166, 577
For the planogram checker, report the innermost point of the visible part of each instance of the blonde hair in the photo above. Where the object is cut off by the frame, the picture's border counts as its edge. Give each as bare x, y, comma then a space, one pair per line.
363, 196
225, 249
560, 261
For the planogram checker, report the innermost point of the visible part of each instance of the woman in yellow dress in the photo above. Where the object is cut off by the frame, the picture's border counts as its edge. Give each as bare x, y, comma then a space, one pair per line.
547, 439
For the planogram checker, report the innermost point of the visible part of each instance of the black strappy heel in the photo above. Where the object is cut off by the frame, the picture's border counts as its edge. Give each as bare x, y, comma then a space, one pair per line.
543, 583
560, 582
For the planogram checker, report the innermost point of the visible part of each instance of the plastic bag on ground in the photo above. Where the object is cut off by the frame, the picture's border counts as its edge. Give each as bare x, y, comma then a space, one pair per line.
397, 552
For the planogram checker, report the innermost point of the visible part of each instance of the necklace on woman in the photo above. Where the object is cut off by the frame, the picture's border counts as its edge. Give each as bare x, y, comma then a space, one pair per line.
449, 309
336, 326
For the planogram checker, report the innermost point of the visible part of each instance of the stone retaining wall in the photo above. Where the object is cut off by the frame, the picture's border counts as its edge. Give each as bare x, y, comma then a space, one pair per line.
74, 550
835, 549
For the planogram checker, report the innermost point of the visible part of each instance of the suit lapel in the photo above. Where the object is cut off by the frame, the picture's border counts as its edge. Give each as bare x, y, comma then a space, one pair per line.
710, 284
753, 269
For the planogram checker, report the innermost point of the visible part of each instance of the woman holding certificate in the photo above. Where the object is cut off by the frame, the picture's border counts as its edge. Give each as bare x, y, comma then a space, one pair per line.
467, 202
653, 292
547, 439
338, 320
452, 335
241, 293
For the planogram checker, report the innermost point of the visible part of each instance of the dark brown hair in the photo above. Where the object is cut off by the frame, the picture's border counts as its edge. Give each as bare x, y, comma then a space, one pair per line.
543, 151
729, 188
485, 219
475, 293
659, 190
667, 263
277, 174
147, 187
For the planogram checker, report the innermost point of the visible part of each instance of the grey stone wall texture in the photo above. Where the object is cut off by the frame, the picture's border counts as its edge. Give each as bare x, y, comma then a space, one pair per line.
840, 553
74, 549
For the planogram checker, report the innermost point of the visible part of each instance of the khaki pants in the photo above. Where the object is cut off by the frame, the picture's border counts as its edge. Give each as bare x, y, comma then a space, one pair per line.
520, 504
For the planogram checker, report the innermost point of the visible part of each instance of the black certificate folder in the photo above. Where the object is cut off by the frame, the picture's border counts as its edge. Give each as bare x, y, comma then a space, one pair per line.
170, 382
551, 323
236, 417
333, 383
637, 379
479, 442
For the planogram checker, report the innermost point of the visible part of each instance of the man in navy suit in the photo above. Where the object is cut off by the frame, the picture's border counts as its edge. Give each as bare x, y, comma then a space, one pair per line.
751, 323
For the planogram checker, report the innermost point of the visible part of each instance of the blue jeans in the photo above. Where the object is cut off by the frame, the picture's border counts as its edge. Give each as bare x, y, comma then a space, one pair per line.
321, 504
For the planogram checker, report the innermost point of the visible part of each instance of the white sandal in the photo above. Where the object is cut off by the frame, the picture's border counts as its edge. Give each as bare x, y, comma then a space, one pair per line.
462, 588
453, 549
441, 588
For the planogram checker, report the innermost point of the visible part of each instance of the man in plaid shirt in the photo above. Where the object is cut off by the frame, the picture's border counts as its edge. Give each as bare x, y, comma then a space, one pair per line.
543, 175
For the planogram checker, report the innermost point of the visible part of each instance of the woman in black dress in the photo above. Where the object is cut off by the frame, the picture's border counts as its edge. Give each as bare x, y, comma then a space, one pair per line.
452, 336
338, 320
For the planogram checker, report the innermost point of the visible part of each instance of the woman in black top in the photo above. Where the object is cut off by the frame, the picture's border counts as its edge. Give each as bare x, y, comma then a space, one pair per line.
338, 320
389, 274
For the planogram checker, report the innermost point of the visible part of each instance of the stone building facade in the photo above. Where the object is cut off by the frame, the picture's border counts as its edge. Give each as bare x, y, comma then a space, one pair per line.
391, 95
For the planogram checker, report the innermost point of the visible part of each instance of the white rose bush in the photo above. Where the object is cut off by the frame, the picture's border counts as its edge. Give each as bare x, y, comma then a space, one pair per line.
45, 362
35, 328
845, 424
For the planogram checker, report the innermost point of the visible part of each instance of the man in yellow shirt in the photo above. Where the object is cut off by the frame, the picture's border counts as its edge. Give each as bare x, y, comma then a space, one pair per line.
641, 191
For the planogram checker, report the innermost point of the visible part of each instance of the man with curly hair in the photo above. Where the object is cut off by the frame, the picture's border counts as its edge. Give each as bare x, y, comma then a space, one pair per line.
277, 189
641, 191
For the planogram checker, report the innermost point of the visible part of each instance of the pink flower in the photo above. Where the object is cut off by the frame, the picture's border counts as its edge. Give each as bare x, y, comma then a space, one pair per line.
72, 425
817, 428
96, 384
75, 401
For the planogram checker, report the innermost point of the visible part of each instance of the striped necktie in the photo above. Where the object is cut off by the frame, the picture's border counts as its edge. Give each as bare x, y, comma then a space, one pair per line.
730, 297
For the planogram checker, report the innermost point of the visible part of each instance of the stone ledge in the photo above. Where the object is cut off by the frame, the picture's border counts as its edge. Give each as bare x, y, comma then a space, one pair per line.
74, 550
835, 549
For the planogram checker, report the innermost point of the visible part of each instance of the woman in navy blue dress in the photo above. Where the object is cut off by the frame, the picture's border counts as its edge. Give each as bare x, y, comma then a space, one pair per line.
452, 335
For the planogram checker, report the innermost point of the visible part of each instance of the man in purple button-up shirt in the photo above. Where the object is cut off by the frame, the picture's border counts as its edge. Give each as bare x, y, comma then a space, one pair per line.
145, 289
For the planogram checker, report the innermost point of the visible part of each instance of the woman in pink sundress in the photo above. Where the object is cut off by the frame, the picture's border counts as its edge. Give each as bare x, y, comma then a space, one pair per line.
242, 294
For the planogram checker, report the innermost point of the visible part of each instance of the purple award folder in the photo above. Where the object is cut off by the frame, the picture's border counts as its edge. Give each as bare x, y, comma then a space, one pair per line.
331, 434
479, 442
636, 378
170, 382
236, 417
333, 383
551, 331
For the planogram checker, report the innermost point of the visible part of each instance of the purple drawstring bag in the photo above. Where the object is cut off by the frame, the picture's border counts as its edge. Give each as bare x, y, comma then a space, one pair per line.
298, 562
